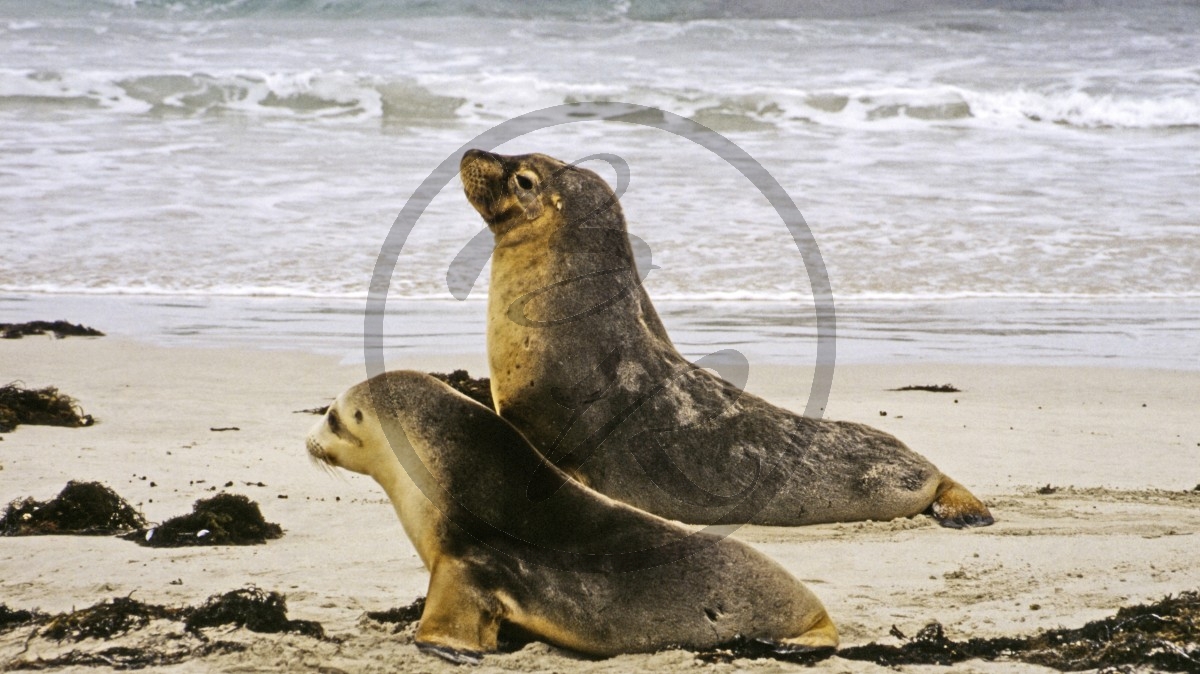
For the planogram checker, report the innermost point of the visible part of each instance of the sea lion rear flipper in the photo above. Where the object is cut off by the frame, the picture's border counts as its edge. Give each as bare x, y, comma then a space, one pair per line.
821, 637
458, 624
957, 508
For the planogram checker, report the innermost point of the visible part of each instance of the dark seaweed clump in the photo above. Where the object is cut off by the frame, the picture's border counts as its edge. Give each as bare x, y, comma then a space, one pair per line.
249, 607
87, 508
10, 617
252, 608
402, 617
931, 647
40, 407
313, 410
224, 519
756, 649
105, 620
479, 390
1164, 635
128, 657
60, 329
932, 388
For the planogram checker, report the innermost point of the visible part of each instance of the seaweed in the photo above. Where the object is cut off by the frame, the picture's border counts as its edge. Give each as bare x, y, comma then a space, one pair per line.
252, 608
11, 618
249, 607
105, 620
59, 329
931, 647
224, 519
931, 388
402, 617
1164, 635
39, 407
83, 508
313, 410
756, 649
128, 657
479, 390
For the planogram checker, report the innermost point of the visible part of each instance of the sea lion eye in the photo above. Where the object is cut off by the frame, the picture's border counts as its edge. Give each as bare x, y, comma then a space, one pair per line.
524, 181
358, 416
334, 424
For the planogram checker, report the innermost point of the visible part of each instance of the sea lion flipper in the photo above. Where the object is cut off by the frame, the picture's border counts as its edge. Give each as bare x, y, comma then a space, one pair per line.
822, 636
457, 623
956, 508
451, 655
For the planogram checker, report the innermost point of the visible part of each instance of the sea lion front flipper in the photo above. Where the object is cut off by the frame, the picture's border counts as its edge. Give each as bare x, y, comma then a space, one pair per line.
458, 623
957, 508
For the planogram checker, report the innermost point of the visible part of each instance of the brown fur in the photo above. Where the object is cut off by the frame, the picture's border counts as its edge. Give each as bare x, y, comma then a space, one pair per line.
576, 569
581, 364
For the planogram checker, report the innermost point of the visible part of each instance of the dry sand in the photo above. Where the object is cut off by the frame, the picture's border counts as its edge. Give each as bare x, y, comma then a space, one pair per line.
1122, 447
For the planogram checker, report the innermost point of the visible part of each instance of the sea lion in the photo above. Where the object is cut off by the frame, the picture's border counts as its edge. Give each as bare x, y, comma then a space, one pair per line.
578, 570
583, 367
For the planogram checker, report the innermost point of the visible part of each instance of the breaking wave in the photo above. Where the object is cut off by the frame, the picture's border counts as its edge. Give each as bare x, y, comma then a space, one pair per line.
321, 95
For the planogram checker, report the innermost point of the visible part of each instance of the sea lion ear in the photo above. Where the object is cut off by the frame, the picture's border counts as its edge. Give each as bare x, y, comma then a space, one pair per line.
531, 203
558, 202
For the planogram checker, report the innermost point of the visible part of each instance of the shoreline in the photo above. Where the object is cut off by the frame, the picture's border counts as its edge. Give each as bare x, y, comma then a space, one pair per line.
1115, 530
1104, 332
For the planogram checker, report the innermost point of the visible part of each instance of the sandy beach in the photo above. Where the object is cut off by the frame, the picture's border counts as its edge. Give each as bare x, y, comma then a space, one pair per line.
1118, 449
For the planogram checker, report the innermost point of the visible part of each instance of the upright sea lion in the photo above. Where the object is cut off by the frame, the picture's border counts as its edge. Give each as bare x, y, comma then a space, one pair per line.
581, 365
578, 569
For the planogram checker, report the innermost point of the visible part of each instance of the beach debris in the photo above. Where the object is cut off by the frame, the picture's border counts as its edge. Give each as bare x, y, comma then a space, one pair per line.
1048, 489
81, 508
255, 609
401, 617
479, 390
128, 657
252, 608
224, 519
59, 329
10, 618
224, 428
931, 388
313, 410
39, 407
758, 649
105, 620
1164, 635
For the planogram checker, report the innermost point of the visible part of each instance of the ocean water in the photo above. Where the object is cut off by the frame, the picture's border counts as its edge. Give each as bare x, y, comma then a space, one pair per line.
1012, 181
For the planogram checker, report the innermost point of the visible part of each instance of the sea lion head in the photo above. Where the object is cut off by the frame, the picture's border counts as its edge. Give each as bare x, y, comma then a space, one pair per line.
349, 435
536, 192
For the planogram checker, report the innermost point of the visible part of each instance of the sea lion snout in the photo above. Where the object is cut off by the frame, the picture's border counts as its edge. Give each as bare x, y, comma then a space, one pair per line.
482, 177
473, 155
316, 451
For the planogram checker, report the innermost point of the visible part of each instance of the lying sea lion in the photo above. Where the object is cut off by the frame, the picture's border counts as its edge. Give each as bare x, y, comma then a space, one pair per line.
578, 569
582, 366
